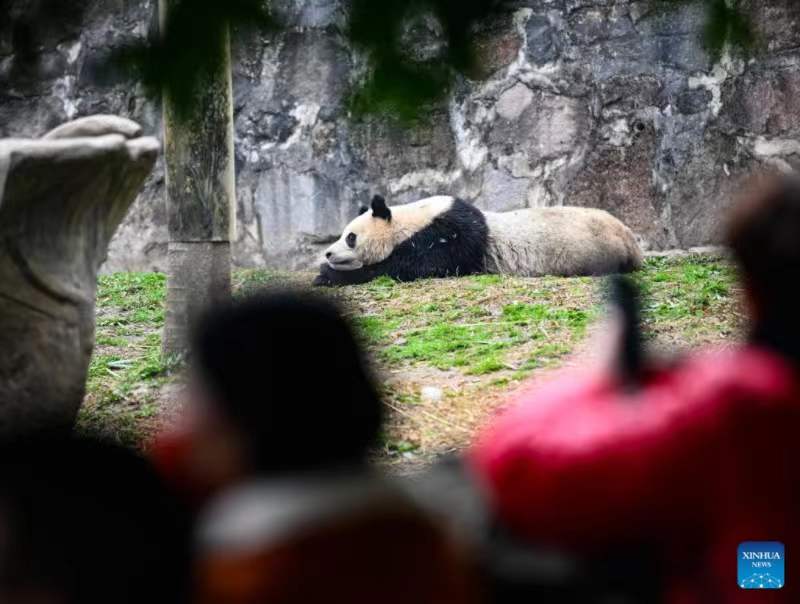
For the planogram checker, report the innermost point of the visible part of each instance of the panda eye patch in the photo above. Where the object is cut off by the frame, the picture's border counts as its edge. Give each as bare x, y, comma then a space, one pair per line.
351, 240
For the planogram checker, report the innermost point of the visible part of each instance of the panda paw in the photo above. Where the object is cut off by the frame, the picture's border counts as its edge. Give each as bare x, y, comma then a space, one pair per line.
329, 277
324, 277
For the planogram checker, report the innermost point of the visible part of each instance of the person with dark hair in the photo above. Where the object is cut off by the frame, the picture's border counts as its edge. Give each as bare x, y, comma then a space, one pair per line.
764, 236
279, 385
694, 461
284, 415
83, 521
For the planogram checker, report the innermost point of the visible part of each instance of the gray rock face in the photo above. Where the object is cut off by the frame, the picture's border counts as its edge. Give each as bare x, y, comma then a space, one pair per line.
590, 102
61, 200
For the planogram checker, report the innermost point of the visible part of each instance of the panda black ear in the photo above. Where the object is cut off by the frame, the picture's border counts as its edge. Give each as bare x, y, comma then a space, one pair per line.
379, 208
362, 210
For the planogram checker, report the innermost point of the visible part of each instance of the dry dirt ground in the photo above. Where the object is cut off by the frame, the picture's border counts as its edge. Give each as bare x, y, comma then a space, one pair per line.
447, 351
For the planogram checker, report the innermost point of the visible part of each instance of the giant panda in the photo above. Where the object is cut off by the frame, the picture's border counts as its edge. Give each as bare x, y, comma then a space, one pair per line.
444, 236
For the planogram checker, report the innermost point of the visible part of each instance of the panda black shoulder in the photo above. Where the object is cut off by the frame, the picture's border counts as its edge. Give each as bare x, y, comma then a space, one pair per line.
469, 223
461, 209
454, 243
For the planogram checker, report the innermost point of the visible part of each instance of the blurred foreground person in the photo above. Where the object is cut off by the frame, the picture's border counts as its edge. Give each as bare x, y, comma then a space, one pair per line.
320, 540
85, 522
278, 386
284, 418
683, 463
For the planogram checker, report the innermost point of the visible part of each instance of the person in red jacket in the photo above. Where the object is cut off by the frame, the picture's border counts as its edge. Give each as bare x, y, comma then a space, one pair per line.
696, 458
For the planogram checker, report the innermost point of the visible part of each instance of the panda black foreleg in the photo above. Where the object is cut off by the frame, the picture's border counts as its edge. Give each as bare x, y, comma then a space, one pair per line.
329, 277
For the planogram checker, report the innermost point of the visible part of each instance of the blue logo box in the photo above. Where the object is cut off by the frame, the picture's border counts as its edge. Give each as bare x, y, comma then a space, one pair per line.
761, 565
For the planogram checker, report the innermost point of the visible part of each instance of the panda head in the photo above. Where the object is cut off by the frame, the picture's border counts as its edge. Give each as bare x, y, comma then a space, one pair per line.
368, 239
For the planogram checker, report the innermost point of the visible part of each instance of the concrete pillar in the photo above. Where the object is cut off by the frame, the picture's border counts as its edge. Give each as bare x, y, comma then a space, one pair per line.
201, 197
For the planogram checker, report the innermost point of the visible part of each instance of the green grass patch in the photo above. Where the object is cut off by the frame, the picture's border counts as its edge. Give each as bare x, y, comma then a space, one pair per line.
451, 341
382, 282
374, 329
481, 282
490, 364
443, 345
127, 367
526, 314
680, 294
400, 447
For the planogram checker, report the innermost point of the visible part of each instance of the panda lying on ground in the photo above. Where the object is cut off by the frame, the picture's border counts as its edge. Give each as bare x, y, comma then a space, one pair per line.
445, 237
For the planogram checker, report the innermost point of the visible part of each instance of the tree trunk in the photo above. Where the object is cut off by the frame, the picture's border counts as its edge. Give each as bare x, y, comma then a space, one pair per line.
201, 197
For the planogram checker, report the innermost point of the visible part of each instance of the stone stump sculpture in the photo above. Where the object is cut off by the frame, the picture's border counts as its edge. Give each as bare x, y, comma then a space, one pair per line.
62, 197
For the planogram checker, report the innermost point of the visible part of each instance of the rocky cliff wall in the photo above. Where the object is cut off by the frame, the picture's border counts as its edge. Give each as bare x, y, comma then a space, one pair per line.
586, 102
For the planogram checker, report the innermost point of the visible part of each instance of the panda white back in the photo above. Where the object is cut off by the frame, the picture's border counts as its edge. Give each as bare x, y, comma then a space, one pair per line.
564, 241
413, 217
